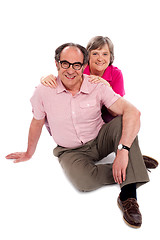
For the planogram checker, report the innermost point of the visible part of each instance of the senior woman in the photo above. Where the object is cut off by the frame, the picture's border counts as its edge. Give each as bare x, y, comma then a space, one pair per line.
101, 57
100, 69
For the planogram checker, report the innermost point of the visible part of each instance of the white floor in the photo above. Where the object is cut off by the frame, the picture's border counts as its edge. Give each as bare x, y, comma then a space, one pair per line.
36, 199
38, 202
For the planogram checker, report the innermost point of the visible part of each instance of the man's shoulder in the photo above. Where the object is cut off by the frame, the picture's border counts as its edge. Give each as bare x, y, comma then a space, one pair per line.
43, 89
85, 76
43, 92
96, 87
90, 86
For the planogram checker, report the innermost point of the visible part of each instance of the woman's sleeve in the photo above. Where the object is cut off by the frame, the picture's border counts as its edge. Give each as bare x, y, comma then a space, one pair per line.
118, 83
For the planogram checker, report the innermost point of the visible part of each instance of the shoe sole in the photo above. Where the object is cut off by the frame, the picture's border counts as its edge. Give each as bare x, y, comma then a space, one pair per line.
145, 156
133, 226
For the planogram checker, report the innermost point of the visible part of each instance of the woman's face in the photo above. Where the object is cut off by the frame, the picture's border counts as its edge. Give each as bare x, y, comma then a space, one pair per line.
99, 60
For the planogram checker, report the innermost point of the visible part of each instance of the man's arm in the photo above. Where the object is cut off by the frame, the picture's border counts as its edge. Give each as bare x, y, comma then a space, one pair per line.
33, 137
131, 120
130, 129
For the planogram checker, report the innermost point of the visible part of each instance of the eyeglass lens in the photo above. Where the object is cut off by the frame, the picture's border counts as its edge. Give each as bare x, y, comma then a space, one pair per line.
75, 66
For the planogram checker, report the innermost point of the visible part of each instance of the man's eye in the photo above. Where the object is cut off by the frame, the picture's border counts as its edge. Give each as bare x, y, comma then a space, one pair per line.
65, 63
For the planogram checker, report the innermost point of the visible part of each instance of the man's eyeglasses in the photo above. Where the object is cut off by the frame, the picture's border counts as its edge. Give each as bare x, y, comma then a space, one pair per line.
75, 65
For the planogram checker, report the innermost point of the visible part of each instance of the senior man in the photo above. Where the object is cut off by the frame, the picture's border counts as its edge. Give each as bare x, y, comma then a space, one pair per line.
73, 111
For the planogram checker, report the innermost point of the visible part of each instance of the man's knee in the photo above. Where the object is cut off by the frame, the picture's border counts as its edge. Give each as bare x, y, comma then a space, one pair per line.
113, 126
116, 123
86, 188
109, 133
85, 181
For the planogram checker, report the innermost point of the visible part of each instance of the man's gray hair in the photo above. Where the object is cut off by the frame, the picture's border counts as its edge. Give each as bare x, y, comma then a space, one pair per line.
81, 48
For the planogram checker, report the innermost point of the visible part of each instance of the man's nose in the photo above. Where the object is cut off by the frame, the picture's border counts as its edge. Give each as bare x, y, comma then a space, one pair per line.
70, 69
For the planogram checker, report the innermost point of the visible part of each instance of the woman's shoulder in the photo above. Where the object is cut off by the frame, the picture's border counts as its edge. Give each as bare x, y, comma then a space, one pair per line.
114, 69
87, 70
111, 73
115, 72
117, 80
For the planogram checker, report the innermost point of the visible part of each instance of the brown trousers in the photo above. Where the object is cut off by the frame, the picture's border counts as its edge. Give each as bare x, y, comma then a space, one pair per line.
80, 165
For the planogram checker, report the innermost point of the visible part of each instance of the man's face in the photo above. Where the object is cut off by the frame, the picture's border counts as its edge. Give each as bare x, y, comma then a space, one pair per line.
71, 78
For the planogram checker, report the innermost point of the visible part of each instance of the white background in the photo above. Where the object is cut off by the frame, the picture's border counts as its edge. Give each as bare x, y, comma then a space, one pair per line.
36, 199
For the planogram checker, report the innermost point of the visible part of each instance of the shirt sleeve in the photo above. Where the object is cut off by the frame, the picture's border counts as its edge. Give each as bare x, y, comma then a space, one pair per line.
108, 96
118, 83
37, 105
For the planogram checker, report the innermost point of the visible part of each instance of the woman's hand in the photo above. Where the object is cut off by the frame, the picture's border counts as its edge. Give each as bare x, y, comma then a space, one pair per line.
49, 81
96, 79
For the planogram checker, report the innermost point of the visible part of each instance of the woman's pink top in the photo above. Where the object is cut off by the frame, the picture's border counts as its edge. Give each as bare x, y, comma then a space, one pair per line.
114, 76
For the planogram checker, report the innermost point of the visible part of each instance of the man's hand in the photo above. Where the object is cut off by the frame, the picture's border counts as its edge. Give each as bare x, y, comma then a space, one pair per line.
18, 156
34, 134
119, 166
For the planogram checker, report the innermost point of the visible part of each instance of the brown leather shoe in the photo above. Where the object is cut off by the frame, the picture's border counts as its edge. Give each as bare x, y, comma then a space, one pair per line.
131, 213
150, 162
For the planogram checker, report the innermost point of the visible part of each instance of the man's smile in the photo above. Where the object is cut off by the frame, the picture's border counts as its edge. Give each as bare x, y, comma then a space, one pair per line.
69, 77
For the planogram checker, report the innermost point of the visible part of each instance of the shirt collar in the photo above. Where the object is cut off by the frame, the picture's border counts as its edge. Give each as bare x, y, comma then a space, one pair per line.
84, 87
60, 87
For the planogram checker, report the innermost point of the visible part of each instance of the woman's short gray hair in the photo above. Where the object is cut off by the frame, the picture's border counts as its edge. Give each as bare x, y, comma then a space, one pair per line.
99, 42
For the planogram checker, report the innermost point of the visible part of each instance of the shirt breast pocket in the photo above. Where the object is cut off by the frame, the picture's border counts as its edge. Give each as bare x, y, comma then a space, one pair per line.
87, 104
89, 110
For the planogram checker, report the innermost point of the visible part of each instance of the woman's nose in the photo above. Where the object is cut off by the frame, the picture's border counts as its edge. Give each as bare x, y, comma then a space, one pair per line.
100, 57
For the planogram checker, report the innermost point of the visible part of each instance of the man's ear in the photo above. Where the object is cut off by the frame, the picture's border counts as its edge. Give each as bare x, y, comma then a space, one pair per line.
57, 64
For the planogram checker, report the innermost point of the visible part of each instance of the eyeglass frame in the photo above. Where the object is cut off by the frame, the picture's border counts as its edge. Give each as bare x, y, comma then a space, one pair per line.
70, 64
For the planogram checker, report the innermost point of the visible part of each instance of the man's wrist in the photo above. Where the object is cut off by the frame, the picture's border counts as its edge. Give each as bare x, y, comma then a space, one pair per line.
122, 146
28, 154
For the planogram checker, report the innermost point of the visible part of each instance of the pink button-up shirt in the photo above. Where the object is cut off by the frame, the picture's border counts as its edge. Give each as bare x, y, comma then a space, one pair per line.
73, 120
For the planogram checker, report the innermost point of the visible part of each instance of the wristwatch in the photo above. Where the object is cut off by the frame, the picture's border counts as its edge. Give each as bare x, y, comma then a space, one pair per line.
121, 146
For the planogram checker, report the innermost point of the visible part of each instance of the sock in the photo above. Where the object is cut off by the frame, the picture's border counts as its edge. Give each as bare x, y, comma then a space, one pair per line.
128, 191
